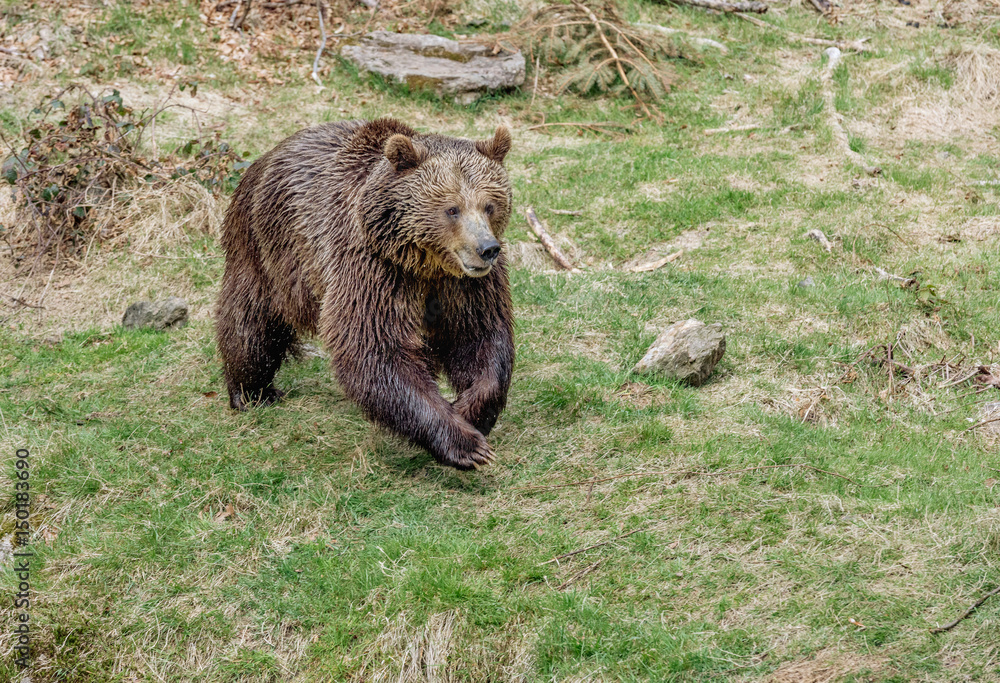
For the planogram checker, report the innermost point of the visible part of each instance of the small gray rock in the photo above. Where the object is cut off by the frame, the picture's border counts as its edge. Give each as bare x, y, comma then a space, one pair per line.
687, 350
808, 282
167, 314
435, 63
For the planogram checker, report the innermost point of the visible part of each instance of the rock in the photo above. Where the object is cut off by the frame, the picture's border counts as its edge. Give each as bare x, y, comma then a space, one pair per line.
687, 350
430, 62
168, 314
832, 55
808, 282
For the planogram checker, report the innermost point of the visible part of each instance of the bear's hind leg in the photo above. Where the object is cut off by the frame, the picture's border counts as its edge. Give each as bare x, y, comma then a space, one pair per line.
253, 339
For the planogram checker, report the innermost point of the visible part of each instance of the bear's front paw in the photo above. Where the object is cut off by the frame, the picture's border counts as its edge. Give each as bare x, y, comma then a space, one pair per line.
468, 453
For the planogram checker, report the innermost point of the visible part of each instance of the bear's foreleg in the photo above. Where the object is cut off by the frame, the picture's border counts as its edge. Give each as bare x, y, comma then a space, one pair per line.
472, 335
479, 370
398, 392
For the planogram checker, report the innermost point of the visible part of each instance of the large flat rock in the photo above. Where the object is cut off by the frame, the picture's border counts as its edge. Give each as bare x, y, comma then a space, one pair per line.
431, 62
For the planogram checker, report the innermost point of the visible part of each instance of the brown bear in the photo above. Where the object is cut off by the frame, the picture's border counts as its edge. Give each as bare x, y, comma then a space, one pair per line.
386, 244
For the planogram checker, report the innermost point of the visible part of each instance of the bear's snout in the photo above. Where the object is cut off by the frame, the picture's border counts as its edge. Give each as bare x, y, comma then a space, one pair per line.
489, 249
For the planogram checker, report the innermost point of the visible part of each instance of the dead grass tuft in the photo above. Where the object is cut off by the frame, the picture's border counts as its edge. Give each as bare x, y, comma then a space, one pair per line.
403, 654
149, 219
978, 76
968, 109
825, 667
921, 335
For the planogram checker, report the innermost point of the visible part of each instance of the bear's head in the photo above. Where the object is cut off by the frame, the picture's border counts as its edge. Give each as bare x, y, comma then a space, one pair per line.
438, 205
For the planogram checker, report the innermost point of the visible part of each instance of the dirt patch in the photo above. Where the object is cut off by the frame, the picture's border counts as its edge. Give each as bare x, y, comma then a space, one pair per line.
659, 191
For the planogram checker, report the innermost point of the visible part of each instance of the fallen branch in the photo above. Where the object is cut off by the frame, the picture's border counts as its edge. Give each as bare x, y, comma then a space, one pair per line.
594, 127
563, 212
886, 275
546, 240
697, 473
723, 6
694, 40
733, 129
237, 24
655, 265
855, 45
597, 545
948, 627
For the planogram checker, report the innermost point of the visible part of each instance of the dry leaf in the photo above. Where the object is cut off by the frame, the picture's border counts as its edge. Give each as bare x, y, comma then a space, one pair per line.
210, 394
990, 483
226, 514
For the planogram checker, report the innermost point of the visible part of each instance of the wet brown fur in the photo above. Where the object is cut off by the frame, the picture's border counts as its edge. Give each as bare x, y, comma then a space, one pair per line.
341, 231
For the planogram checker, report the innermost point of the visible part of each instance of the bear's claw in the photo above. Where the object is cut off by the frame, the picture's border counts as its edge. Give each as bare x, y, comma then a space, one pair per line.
479, 454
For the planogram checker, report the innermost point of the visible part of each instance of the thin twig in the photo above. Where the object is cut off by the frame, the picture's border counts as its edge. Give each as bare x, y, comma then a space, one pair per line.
948, 627
48, 282
24, 303
984, 422
597, 545
563, 212
960, 381
579, 575
319, 52
699, 473
534, 88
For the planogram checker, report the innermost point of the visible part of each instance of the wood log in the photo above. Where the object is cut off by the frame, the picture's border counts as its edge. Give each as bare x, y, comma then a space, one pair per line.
724, 6
546, 239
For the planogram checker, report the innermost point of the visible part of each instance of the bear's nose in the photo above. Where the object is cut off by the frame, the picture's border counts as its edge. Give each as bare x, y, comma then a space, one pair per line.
489, 250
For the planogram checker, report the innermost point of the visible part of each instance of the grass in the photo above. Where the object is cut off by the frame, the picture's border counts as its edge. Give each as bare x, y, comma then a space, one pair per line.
178, 541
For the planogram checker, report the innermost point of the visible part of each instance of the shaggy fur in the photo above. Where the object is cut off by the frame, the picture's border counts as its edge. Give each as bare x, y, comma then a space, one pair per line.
385, 243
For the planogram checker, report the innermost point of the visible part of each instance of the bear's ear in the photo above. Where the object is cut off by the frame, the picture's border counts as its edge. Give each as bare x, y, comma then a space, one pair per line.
403, 154
497, 148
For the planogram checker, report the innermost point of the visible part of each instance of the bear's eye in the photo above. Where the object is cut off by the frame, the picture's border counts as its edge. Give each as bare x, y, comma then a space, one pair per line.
453, 211
489, 209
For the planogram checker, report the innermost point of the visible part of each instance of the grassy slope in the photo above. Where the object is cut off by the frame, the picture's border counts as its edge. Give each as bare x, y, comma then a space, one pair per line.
347, 555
